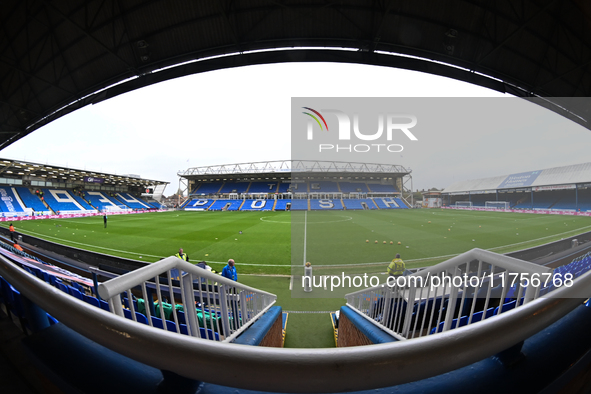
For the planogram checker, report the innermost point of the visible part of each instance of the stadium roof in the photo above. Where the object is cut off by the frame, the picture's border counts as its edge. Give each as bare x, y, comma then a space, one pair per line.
34, 171
557, 176
289, 168
56, 57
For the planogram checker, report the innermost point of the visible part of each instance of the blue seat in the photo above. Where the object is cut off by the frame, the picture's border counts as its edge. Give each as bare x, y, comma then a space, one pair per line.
104, 305
157, 322
208, 334
140, 317
36, 271
181, 317
126, 303
170, 326
63, 287
506, 307
52, 280
16, 306
78, 286
75, 293
44, 276
91, 300
476, 317
204, 333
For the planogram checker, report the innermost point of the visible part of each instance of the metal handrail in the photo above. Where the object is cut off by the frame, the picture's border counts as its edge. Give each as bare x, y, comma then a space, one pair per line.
412, 306
237, 305
299, 370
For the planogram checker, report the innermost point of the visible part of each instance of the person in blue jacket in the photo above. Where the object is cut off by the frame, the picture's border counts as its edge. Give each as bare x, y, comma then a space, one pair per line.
229, 271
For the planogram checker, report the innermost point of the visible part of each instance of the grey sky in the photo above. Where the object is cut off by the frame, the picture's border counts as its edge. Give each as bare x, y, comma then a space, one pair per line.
243, 115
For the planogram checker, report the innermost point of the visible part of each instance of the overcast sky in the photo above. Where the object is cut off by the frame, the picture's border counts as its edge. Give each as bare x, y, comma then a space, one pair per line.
243, 115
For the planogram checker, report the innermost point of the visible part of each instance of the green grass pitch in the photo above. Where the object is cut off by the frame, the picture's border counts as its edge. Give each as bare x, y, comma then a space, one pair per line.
272, 242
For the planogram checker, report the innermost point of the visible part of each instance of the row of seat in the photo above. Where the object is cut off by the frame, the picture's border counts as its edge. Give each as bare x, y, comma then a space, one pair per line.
12, 300
78, 291
558, 200
575, 268
295, 205
14, 305
16, 199
278, 187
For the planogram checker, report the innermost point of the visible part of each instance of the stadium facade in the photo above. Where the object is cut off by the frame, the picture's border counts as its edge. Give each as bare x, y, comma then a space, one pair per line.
33, 189
566, 188
297, 185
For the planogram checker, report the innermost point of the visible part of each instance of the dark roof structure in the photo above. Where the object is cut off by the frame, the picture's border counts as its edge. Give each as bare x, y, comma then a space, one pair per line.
58, 56
17, 169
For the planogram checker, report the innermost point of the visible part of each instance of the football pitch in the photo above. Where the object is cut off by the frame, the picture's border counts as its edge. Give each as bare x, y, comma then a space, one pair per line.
275, 242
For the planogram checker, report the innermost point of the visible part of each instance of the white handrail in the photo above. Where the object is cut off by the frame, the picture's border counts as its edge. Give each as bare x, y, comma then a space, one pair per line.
238, 305
299, 370
411, 306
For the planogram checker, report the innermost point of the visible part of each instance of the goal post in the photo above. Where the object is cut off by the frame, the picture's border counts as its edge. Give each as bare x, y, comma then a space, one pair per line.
463, 204
497, 204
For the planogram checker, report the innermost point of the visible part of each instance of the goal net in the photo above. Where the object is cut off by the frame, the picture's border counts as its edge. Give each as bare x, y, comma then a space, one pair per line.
497, 204
463, 204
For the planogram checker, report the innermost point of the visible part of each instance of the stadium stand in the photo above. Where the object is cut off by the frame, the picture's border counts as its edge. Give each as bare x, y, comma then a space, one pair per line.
263, 187
83, 202
347, 187
576, 268
228, 205
234, 187
584, 200
389, 203
326, 204
77, 291
379, 188
9, 203
131, 201
61, 201
324, 186
523, 203
566, 202
208, 188
198, 204
281, 205
479, 200
299, 187
154, 204
299, 205
560, 188
101, 200
359, 203
514, 198
257, 205
31, 200
544, 200
283, 187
